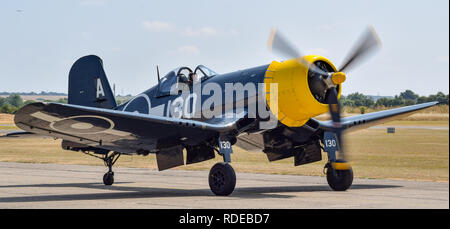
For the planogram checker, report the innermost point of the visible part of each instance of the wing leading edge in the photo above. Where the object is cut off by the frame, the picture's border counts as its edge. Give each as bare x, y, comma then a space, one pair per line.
363, 121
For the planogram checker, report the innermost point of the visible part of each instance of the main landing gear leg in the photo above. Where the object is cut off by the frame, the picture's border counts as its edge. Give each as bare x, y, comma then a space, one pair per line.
339, 172
110, 160
222, 178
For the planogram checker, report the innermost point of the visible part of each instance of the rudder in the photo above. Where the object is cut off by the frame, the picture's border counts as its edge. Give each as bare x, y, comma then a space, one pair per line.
88, 85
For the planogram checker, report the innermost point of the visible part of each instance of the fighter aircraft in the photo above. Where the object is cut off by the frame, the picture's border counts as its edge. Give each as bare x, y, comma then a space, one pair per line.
269, 108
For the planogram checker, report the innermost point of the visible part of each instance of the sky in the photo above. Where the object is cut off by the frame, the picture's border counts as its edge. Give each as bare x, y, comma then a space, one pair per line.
40, 40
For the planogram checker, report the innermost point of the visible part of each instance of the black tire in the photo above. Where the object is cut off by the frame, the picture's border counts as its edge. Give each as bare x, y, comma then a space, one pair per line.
108, 178
339, 180
222, 179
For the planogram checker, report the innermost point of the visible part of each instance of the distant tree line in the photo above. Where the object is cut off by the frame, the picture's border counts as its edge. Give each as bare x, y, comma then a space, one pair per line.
14, 102
405, 98
33, 93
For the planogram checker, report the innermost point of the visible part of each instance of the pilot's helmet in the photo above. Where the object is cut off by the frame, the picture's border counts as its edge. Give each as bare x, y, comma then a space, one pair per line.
183, 78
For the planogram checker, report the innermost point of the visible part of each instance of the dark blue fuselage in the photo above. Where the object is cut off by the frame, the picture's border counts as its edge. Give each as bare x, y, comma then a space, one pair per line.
181, 103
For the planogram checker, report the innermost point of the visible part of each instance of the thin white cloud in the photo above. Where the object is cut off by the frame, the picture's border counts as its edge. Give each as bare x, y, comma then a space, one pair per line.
157, 26
92, 2
85, 35
318, 51
189, 31
204, 31
234, 32
189, 50
324, 28
442, 59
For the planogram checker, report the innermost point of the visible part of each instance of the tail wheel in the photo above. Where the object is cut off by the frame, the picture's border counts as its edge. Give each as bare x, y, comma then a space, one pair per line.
339, 180
222, 179
108, 178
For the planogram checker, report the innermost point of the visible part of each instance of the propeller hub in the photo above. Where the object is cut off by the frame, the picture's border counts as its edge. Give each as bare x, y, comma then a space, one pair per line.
324, 84
338, 78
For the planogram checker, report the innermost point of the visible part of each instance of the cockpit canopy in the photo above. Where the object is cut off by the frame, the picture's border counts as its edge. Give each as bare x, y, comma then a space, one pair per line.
183, 75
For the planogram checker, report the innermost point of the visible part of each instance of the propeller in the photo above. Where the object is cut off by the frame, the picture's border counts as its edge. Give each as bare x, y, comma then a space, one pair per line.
278, 43
366, 44
328, 81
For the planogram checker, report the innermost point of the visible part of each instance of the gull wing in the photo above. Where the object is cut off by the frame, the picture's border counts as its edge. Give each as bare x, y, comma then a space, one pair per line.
114, 130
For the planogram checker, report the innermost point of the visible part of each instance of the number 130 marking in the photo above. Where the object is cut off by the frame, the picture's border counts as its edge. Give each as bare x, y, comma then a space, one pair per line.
330, 143
225, 144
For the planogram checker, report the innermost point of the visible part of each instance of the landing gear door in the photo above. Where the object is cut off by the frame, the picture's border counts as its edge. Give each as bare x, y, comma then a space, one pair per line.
225, 149
330, 145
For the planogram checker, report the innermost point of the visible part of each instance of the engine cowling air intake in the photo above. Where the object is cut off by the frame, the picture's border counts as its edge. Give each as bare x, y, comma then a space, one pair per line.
301, 93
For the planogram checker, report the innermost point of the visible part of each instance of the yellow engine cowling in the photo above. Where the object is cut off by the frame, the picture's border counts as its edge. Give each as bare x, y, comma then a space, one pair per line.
296, 104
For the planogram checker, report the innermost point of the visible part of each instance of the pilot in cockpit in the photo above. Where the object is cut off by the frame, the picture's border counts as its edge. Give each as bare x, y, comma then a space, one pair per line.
188, 80
183, 78
192, 78
189, 77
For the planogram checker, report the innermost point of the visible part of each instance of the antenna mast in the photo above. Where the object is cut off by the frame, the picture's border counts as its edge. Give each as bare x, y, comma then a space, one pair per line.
157, 71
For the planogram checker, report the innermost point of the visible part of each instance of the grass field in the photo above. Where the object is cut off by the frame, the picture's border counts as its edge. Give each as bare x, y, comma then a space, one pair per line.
39, 97
6, 118
413, 154
440, 109
436, 113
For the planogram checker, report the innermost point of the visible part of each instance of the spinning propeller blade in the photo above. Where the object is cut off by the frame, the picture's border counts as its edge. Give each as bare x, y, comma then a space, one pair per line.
368, 43
278, 43
335, 112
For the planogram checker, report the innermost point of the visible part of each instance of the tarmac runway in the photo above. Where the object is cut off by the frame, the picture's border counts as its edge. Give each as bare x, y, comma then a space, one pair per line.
24, 185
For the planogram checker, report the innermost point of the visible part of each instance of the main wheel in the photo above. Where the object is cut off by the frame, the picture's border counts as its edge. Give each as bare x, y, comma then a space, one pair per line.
222, 179
339, 180
108, 178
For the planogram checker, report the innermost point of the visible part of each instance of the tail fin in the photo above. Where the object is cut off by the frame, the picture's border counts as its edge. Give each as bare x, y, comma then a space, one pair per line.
88, 85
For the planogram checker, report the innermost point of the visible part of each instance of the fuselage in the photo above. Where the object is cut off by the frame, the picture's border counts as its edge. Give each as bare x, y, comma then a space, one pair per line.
279, 90
184, 103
